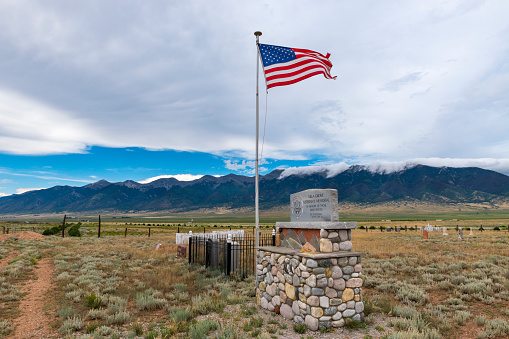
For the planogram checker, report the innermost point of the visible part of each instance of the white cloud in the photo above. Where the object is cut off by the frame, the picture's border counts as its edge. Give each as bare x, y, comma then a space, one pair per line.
498, 165
4, 194
431, 83
180, 177
24, 190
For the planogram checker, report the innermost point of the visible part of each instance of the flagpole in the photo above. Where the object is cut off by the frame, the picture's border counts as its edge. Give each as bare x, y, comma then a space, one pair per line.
257, 216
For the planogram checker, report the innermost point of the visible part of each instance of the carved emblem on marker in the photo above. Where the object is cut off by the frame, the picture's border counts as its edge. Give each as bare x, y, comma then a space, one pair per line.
296, 206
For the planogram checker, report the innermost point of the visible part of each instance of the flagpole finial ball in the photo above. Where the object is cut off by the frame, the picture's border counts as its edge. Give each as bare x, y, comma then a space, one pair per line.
257, 33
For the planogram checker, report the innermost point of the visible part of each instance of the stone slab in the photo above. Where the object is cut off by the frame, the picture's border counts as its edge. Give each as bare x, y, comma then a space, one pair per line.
289, 251
326, 225
314, 205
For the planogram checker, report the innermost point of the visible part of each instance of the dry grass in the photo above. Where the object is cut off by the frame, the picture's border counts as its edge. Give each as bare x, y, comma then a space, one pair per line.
440, 287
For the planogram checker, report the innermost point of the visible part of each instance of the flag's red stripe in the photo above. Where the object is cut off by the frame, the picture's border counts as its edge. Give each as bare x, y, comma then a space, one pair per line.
284, 83
295, 65
297, 72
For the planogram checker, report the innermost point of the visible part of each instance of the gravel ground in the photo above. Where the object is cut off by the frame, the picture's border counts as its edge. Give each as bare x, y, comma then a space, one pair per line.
235, 311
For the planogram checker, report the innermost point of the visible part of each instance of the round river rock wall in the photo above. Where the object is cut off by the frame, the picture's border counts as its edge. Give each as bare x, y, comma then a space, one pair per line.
320, 292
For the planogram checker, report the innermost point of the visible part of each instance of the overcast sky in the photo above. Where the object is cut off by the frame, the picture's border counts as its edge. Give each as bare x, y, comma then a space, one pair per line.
121, 90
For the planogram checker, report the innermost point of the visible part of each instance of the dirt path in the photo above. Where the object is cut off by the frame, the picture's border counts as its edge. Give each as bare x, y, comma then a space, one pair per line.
33, 322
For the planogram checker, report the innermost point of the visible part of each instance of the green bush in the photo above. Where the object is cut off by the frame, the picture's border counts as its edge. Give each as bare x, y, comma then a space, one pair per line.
74, 231
496, 228
300, 328
92, 301
361, 227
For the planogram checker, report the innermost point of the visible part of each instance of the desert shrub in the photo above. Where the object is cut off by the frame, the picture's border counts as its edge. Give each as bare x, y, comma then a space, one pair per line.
460, 317
118, 318
372, 227
361, 227
96, 314
147, 301
71, 325
5, 327
407, 312
92, 301
495, 328
202, 328
66, 312
181, 314
496, 228
104, 331
74, 231
300, 328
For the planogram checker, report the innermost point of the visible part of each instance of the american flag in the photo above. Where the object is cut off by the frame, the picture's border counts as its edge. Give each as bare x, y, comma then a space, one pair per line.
285, 66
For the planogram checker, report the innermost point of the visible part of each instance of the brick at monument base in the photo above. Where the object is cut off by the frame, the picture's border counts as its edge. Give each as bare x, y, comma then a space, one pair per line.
181, 251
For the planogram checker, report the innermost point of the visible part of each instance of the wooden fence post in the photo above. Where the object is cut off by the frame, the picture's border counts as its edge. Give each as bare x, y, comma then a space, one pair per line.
149, 232
99, 230
63, 226
125, 234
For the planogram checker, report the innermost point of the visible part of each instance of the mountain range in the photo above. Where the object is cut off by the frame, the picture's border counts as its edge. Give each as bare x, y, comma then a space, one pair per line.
356, 184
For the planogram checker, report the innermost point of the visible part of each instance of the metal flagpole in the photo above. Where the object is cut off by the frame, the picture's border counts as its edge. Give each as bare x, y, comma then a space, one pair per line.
257, 216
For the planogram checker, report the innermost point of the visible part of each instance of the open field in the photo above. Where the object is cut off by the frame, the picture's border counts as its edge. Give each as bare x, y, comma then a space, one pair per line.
117, 286
401, 211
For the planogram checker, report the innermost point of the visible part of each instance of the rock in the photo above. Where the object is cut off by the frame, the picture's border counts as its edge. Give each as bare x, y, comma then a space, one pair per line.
345, 246
302, 238
288, 278
342, 307
350, 304
347, 270
302, 297
324, 319
335, 247
286, 311
271, 307
271, 290
307, 290
316, 312
330, 311
295, 244
352, 261
338, 323
311, 322
354, 282
337, 316
319, 291
321, 282
330, 292
262, 286
314, 242
313, 301
357, 317
281, 277
273, 270
357, 297
324, 233
328, 272
276, 300
347, 295
298, 319
267, 296
355, 275
264, 303
324, 302
348, 313
326, 245
305, 274
332, 235
311, 263
319, 270
290, 292
311, 281
339, 284
336, 272
357, 268
342, 261
295, 308
277, 309
343, 235
296, 280
359, 307
335, 301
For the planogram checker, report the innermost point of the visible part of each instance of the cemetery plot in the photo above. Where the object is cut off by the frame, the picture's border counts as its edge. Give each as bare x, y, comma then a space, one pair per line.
123, 287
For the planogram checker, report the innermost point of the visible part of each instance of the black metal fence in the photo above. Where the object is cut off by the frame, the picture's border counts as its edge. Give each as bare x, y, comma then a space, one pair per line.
235, 257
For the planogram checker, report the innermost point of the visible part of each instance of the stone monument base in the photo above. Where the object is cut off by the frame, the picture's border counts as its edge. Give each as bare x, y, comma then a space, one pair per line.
321, 290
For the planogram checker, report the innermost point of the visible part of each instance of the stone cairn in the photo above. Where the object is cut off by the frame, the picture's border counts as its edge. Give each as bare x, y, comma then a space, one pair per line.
312, 277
